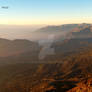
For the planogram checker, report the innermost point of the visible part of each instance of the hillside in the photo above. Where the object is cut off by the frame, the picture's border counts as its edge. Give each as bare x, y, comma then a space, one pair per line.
61, 77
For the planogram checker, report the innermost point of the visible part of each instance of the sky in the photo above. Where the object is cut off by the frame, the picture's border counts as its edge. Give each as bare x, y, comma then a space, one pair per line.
50, 12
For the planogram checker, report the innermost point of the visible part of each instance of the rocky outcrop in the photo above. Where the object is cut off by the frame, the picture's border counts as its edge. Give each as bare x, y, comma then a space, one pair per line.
85, 86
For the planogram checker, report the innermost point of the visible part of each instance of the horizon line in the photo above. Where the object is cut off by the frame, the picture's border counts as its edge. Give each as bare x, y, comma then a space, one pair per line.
42, 24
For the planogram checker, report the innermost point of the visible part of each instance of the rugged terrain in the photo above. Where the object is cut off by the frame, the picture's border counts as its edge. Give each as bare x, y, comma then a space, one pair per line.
69, 69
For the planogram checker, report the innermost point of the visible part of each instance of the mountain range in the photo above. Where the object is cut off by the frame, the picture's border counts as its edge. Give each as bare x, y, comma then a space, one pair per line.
68, 69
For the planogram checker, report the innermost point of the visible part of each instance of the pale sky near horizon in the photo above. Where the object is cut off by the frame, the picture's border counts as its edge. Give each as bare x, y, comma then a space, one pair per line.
30, 12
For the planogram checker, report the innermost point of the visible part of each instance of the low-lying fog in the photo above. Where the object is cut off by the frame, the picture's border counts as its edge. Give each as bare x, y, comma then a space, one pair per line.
27, 32
18, 32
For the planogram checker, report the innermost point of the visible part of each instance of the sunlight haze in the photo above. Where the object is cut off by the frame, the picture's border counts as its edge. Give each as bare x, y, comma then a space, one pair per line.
50, 12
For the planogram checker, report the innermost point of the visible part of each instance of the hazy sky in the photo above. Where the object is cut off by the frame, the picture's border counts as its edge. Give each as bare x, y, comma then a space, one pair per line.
45, 11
